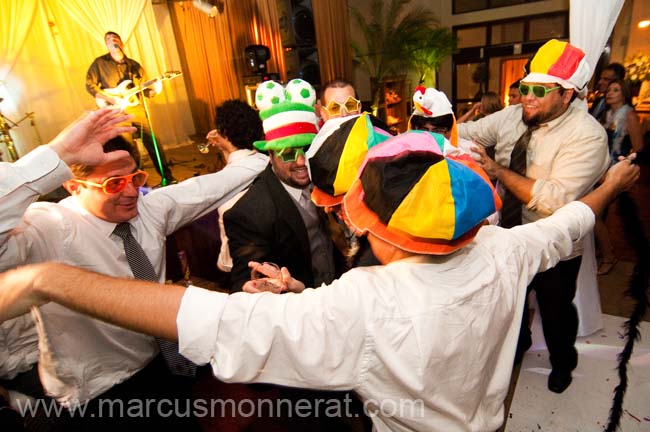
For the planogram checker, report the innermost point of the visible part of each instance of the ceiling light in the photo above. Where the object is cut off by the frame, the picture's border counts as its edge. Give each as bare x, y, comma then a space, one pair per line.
206, 8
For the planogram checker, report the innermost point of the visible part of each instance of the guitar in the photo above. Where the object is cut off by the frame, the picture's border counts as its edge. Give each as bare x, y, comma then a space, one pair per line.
126, 94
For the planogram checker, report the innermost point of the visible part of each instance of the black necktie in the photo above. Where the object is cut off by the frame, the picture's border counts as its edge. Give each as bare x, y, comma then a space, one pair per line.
511, 210
142, 269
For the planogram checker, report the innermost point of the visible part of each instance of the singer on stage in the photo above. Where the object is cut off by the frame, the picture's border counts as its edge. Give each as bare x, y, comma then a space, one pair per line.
107, 72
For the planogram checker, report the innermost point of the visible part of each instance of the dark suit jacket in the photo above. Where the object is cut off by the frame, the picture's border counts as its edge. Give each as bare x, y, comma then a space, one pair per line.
265, 225
597, 110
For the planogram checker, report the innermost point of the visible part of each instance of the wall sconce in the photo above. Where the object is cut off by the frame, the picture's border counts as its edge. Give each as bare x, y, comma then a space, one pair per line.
644, 24
211, 8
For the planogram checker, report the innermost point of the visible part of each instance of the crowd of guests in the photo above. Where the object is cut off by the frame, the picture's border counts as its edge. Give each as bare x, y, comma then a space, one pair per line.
398, 235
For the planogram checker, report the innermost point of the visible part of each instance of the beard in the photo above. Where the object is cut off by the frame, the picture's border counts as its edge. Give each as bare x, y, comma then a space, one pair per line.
530, 120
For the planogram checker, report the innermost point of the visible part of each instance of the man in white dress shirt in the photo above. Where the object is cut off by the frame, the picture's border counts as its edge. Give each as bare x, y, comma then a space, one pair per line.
83, 359
427, 339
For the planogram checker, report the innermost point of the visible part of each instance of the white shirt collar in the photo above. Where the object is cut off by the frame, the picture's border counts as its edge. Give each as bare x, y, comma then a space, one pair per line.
102, 226
239, 154
292, 191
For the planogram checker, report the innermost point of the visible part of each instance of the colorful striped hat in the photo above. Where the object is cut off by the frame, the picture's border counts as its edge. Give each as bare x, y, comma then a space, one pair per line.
559, 62
429, 102
287, 114
337, 153
411, 196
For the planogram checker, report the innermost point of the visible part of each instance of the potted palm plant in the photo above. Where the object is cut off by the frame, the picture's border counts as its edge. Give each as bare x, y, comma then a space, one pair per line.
397, 38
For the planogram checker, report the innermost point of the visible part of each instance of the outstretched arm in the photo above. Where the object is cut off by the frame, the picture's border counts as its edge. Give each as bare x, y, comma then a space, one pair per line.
142, 306
618, 178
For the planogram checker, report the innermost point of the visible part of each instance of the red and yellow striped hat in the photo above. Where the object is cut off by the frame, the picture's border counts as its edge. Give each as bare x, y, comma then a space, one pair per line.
559, 62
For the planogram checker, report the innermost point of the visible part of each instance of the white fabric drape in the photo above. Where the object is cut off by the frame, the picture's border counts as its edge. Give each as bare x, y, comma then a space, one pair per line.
99, 16
16, 18
591, 26
45, 72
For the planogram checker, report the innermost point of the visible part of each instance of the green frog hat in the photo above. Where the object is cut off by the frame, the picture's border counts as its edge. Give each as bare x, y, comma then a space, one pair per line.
287, 114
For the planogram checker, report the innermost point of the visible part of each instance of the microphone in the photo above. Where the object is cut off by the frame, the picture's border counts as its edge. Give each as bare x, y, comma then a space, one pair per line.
117, 46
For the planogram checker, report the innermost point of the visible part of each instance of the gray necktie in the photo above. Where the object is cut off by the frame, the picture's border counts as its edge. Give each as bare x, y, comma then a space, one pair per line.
142, 269
511, 210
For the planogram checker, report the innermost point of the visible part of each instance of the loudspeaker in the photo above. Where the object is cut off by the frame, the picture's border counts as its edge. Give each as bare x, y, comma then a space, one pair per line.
296, 23
298, 36
302, 63
256, 58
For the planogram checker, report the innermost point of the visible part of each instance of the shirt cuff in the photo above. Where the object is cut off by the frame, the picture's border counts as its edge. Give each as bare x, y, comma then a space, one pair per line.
42, 170
198, 323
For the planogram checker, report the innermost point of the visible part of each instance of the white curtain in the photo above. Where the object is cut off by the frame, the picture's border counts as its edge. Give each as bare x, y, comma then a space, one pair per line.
16, 18
99, 16
591, 23
49, 48
591, 26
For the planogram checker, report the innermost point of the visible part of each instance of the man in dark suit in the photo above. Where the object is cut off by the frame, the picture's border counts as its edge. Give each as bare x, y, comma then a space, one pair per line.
275, 221
612, 72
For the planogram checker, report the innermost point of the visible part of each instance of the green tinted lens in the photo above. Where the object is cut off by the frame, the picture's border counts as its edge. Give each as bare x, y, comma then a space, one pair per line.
538, 90
289, 154
524, 89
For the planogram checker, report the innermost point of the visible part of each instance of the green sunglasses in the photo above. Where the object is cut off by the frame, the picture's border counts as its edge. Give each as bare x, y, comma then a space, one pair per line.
290, 154
538, 90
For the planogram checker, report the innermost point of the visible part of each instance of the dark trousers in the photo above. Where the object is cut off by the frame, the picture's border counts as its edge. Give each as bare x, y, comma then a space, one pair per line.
124, 406
555, 289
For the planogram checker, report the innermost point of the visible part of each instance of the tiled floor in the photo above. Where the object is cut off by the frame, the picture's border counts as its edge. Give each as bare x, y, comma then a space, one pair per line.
584, 406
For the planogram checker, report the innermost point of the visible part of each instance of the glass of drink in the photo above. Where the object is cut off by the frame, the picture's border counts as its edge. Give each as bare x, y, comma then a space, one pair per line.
204, 147
269, 270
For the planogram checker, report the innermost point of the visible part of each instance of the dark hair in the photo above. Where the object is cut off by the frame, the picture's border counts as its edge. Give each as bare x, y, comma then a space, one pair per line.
239, 123
561, 91
118, 143
112, 33
618, 69
490, 103
625, 89
515, 84
336, 83
443, 121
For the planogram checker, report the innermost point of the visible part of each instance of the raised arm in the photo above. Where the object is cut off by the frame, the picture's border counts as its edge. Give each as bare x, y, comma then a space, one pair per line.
618, 178
42, 171
82, 141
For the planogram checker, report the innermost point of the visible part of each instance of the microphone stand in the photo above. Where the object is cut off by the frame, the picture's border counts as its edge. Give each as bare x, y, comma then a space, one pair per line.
5, 137
132, 76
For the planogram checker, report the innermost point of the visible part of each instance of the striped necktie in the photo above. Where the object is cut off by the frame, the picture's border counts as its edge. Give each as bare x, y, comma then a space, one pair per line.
142, 269
511, 210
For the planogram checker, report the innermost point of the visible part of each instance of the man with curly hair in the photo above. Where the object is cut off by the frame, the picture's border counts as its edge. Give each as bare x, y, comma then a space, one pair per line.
237, 126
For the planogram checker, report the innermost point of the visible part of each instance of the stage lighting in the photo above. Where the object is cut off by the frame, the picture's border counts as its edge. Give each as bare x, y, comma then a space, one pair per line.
206, 7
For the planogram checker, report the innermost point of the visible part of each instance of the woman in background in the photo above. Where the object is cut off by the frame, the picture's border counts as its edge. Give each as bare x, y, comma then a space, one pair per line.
489, 104
624, 136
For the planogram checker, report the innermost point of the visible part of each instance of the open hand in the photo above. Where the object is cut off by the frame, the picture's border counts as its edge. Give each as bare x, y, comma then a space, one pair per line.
82, 141
276, 283
481, 157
